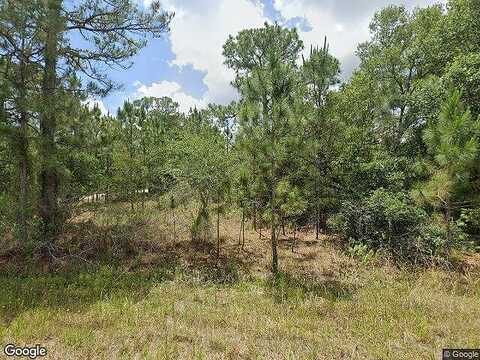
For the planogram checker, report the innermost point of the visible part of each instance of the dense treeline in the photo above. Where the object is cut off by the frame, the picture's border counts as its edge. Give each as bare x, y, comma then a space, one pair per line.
52, 58
388, 160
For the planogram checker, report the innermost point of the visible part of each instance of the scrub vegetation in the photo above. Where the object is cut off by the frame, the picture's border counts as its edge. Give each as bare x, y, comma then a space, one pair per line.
313, 217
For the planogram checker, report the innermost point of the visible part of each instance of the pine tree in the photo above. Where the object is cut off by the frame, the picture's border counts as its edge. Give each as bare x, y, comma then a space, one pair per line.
453, 146
264, 61
19, 47
320, 72
114, 31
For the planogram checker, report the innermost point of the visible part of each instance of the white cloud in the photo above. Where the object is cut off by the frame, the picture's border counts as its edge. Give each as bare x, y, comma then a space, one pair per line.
342, 37
201, 27
91, 103
345, 23
172, 90
198, 32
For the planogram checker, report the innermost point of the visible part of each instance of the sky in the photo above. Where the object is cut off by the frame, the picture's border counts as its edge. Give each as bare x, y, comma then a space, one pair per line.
187, 63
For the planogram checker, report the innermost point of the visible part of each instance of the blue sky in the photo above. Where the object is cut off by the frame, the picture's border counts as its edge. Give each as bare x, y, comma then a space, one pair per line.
187, 64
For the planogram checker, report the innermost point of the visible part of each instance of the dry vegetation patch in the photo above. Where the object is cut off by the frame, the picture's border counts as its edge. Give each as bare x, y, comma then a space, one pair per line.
171, 299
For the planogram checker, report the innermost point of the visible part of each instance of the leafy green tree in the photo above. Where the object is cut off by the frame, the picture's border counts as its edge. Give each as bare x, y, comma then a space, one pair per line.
291, 205
225, 118
86, 140
320, 73
394, 59
455, 35
264, 61
464, 73
113, 31
161, 125
130, 156
453, 145
201, 158
19, 48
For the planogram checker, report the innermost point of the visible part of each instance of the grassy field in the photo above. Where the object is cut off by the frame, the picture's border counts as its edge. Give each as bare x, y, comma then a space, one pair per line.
170, 300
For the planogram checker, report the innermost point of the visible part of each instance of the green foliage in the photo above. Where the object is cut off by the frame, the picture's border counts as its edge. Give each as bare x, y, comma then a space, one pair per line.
392, 222
297, 147
436, 238
201, 157
464, 74
267, 77
452, 143
256, 49
291, 203
383, 220
361, 252
143, 132
6, 213
380, 171
469, 222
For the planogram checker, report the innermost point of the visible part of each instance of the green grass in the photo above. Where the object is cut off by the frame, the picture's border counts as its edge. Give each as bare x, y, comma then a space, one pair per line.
165, 298
107, 313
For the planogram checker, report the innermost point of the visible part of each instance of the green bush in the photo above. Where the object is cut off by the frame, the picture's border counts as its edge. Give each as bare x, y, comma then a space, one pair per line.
361, 252
392, 222
6, 213
469, 222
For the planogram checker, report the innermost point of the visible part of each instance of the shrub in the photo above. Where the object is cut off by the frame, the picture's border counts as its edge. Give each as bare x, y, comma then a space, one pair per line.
469, 222
431, 242
361, 252
380, 220
4, 206
392, 222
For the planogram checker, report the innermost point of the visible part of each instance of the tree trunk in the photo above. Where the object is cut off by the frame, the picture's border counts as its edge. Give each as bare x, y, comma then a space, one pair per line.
174, 226
243, 229
218, 231
24, 208
317, 196
274, 250
272, 190
240, 232
255, 216
49, 181
447, 220
324, 222
23, 212
243, 232
273, 213
107, 189
294, 236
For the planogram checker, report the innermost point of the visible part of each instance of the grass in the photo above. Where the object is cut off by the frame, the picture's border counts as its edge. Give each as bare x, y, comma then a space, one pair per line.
324, 305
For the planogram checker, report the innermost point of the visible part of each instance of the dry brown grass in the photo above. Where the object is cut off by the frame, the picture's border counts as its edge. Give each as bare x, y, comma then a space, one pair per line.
173, 299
